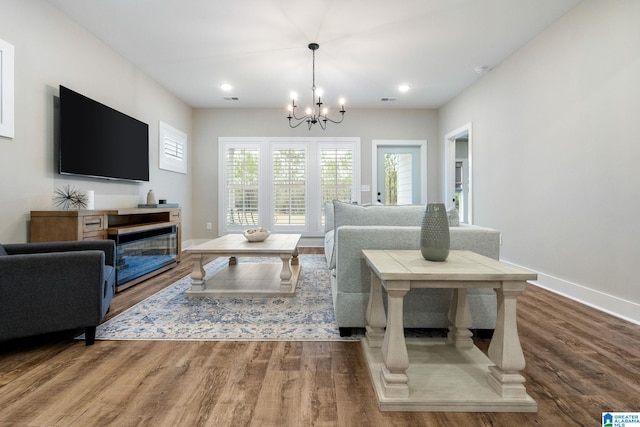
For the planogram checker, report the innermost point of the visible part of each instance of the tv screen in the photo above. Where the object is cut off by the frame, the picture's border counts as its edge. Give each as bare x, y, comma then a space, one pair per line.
98, 141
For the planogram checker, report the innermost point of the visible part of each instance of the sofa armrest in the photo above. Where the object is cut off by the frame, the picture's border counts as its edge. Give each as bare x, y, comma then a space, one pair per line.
482, 240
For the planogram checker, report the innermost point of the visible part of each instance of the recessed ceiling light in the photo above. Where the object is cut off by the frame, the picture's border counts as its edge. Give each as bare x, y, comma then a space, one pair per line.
226, 87
404, 88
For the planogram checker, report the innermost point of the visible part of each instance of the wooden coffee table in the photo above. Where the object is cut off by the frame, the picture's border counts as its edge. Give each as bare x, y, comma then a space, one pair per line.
448, 374
247, 279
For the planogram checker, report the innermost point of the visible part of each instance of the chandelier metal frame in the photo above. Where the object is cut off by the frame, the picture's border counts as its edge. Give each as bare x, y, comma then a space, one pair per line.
315, 115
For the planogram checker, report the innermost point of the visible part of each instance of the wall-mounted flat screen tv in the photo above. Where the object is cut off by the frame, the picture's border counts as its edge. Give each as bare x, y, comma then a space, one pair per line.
98, 141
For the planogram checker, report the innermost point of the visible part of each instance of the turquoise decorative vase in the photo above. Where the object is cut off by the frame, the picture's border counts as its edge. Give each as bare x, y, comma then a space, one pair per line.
434, 234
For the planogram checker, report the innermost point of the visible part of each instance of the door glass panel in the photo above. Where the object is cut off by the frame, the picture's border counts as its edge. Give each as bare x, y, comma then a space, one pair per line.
398, 175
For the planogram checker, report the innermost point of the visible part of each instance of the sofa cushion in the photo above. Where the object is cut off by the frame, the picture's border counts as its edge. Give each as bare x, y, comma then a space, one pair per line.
2, 250
352, 214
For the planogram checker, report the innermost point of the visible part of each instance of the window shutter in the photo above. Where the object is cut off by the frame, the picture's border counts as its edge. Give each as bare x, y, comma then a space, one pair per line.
336, 175
173, 149
242, 167
283, 183
289, 187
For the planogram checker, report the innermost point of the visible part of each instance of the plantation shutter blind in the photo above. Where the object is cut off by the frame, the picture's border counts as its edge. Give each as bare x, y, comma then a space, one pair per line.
173, 149
242, 189
336, 176
282, 183
290, 187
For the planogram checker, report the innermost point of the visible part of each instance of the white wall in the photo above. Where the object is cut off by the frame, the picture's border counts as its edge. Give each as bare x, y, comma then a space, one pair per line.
210, 124
51, 50
555, 154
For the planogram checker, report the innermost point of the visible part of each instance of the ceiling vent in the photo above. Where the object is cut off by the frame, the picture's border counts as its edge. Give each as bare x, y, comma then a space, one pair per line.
388, 99
231, 98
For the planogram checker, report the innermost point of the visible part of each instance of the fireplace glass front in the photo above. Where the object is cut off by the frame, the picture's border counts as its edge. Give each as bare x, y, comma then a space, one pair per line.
143, 252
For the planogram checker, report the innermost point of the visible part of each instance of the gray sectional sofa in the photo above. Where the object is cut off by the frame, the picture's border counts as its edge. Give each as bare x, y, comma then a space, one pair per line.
351, 228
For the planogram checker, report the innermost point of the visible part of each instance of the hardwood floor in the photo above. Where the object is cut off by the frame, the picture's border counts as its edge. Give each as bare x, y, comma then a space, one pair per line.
580, 363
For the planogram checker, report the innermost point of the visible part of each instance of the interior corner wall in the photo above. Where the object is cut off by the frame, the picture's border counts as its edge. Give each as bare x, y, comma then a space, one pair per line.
52, 50
555, 154
368, 124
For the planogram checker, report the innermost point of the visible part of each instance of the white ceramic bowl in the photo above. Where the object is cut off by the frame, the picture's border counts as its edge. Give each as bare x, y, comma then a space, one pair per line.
256, 234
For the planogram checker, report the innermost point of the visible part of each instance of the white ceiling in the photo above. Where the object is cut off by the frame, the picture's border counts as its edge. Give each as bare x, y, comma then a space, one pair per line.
367, 47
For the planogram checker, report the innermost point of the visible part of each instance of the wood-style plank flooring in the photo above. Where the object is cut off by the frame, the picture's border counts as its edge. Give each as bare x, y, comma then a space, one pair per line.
580, 363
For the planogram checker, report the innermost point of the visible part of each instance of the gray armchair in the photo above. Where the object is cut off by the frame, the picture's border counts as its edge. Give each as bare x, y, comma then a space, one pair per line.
56, 286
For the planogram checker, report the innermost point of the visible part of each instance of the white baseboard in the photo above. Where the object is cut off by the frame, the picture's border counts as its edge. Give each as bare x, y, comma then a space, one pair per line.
615, 306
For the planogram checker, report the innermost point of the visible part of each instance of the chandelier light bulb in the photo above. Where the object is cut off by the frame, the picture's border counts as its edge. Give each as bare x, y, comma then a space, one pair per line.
294, 96
308, 111
341, 102
325, 110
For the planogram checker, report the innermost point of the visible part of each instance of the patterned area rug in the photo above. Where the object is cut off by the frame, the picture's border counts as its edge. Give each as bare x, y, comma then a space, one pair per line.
170, 315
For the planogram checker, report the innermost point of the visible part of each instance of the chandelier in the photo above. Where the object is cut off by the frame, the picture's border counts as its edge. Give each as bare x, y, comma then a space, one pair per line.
317, 114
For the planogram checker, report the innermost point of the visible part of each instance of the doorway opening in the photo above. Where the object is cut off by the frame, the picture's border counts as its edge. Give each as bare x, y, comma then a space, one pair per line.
458, 171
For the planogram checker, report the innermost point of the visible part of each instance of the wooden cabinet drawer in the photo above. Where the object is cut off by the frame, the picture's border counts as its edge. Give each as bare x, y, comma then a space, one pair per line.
93, 223
175, 216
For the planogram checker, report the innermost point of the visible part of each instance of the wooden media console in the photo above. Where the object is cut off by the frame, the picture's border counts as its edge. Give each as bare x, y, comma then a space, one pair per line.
148, 240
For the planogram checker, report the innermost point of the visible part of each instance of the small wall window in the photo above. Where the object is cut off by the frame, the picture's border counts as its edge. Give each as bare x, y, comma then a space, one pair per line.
173, 149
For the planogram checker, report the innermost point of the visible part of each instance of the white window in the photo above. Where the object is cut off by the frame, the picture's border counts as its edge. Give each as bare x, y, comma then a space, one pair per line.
283, 183
242, 183
289, 187
336, 175
173, 149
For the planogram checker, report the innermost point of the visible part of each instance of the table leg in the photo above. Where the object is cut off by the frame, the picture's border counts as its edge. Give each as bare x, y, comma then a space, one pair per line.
285, 274
375, 315
460, 320
198, 274
505, 349
394, 347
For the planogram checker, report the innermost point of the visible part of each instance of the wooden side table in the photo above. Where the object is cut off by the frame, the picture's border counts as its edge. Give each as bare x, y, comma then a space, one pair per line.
438, 383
